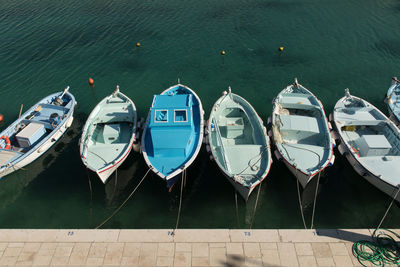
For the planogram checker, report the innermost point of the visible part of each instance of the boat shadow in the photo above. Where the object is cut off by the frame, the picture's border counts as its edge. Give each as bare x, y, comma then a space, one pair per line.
11, 186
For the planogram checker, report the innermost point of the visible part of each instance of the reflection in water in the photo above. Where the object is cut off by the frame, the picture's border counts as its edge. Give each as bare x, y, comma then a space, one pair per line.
12, 185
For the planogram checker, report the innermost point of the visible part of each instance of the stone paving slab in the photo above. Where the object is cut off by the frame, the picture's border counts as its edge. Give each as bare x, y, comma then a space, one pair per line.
184, 247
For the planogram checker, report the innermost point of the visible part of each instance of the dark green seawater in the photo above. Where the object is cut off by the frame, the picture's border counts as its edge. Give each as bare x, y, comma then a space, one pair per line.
46, 45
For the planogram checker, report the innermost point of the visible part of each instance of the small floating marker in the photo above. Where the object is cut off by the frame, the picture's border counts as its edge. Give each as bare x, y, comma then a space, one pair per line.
223, 53
137, 44
91, 82
1, 118
281, 48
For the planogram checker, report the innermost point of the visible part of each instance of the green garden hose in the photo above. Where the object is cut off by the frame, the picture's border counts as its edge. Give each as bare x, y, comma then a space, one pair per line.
381, 251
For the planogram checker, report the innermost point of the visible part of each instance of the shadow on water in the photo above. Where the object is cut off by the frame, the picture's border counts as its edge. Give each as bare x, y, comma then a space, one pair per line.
12, 185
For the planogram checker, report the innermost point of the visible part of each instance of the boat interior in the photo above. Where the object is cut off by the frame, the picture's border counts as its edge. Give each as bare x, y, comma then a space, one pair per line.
110, 133
27, 132
238, 142
302, 131
36, 126
374, 141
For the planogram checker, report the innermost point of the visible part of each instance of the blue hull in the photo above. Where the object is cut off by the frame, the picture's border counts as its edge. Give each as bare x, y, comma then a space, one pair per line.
173, 132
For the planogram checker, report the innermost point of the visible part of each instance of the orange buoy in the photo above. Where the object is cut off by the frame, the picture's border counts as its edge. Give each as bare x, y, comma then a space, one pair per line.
1, 118
91, 82
223, 53
137, 44
281, 48
7, 140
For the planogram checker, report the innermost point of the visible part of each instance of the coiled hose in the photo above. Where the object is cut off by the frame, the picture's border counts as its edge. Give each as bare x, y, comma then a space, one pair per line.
381, 251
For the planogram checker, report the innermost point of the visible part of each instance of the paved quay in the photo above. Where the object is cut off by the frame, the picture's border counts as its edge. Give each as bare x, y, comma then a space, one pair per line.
184, 248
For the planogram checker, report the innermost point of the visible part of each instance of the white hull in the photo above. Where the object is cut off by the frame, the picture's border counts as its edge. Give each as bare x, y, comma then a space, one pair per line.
36, 154
385, 179
393, 118
242, 190
303, 178
106, 172
374, 180
298, 166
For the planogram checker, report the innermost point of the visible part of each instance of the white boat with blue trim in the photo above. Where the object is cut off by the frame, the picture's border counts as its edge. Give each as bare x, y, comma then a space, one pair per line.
108, 134
238, 142
393, 101
173, 133
31, 135
301, 133
370, 142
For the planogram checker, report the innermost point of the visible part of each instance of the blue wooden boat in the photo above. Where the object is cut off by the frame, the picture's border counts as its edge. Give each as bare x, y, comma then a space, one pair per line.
369, 141
173, 132
31, 135
301, 133
393, 101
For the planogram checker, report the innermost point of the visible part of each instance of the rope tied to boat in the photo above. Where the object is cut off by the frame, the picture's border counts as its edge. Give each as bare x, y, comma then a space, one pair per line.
237, 210
255, 205
183, 183
301, 206
123, 203
315, 201
384, 250
390, 205
91, 196
298, 189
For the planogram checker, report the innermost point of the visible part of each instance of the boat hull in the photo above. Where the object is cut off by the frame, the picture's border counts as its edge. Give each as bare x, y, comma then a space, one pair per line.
325, 151
393, 117
303, 178
33, 156
105, 173
39, 114
172, 178
244, 183
392, 101
124, 119
387, 188
379, 177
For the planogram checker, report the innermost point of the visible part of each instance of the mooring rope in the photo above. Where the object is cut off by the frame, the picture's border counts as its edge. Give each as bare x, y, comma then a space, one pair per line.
91, 192
298, 189
387, 210
237, 210
315, 201
301, 206
123, 203
183, 181
255, 205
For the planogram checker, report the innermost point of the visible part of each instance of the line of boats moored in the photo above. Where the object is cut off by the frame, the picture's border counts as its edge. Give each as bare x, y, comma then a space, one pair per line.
235, 135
